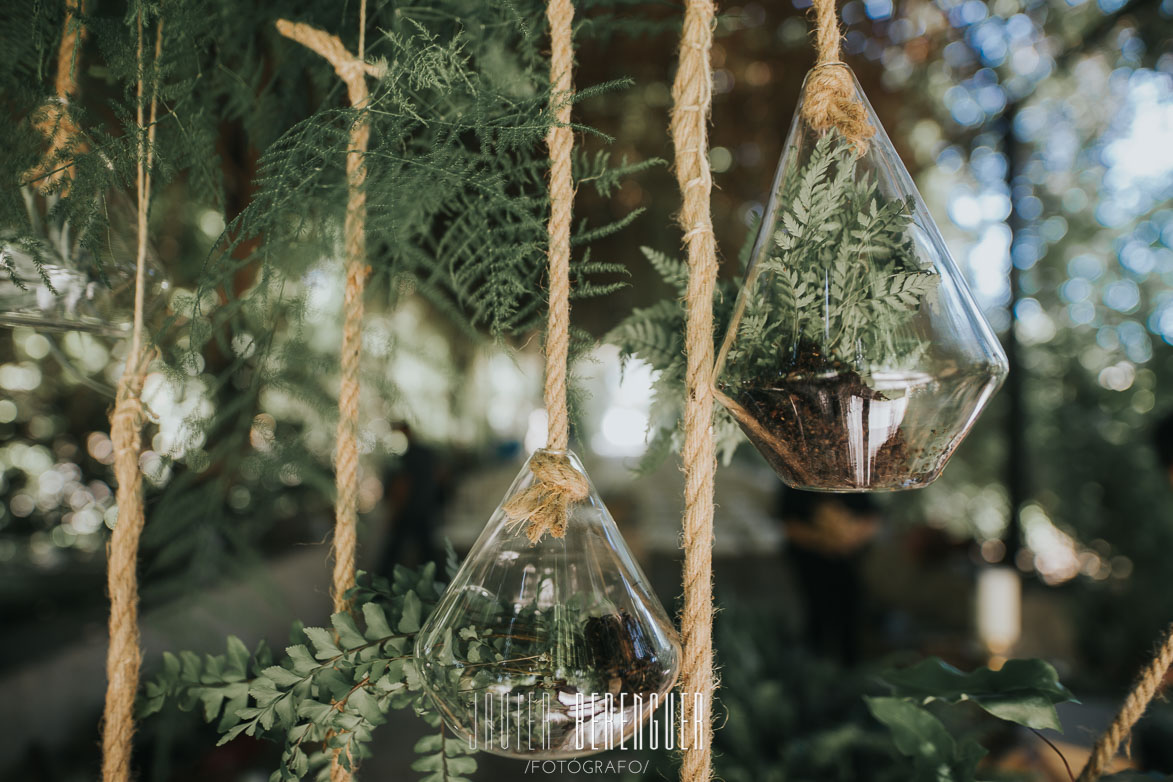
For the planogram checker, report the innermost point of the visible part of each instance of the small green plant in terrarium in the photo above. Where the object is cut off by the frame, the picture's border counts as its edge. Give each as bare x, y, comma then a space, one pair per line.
564, 680
840, 279
544, 645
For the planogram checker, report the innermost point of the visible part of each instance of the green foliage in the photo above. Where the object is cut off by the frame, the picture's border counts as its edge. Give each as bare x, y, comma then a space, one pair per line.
839, 276
330, 690
335, 685
456, 170
252, 136
655, 335
917, 734
443, 758
789, 715
253, 131
1021, 691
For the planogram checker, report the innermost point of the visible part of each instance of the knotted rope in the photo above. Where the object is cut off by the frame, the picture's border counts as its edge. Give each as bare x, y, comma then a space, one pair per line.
692, 95
352, 70
545, 504
55, 121
1143, 692
123, 656
830, 95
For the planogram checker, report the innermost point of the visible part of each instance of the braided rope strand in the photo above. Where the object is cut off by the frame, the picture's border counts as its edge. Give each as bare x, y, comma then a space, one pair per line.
544, 507
123, 655
692, 101
560, 140
1146, 687
353, 71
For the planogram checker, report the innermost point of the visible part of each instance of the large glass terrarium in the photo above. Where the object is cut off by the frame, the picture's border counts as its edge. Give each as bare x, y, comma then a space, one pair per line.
856, 358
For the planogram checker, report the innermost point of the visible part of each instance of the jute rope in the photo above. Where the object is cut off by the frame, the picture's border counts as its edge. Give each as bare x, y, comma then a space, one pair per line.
543, 507
123, 656
1143, 692
692, 95
546, 503
353, 71
830, 96
560, 140
55, 121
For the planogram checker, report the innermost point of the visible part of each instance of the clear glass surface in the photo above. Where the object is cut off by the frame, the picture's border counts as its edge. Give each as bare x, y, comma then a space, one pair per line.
553, 649
55, 282
856, 358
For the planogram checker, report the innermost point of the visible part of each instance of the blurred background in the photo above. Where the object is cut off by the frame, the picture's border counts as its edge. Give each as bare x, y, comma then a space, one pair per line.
1041, 135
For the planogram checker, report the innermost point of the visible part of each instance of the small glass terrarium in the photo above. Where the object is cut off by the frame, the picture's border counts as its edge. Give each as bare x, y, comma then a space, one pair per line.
856, 358
551, 649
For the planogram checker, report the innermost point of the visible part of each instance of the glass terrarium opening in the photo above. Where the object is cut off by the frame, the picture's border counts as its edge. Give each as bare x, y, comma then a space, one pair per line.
550, 649
856, 358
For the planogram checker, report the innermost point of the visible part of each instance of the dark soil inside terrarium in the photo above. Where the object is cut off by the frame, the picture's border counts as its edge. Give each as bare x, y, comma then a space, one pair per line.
821, 426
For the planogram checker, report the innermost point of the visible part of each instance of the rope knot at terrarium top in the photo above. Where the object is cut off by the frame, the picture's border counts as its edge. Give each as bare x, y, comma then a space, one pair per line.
546, 503
830, 96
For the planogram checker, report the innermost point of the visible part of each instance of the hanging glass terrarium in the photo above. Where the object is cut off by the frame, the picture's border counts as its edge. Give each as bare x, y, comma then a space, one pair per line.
856, 358
554, 647
57, 282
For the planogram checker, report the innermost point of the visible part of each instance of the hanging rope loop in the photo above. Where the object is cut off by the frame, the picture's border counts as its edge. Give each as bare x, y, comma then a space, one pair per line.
353, 71
831, 102
545, 506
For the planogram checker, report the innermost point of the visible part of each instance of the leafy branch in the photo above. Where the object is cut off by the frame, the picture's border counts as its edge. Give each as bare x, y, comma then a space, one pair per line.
330, 690
1023, 692
655, 335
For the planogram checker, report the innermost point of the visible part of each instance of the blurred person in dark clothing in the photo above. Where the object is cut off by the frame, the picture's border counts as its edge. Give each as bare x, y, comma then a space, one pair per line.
416, 492
827, 535
1163, 440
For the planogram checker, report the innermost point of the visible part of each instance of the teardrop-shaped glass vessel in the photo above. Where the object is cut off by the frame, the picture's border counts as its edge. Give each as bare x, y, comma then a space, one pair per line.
551, 649
856, 358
